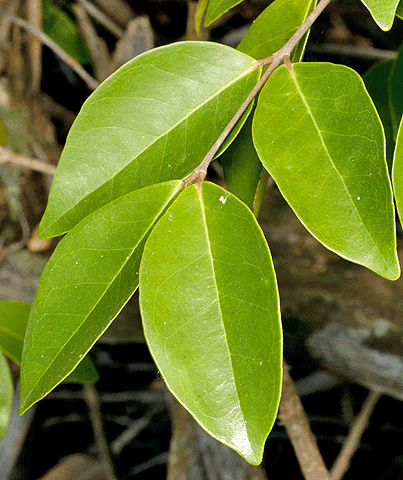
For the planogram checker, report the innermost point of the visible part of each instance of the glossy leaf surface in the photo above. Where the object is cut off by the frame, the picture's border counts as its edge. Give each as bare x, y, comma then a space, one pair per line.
89, 278
382, 11
6, 395
395, 91
397, 173
268, 33
319, 136
13, 324
242, 166
216, 8
210, 309
151, 121
274, 27
376, 81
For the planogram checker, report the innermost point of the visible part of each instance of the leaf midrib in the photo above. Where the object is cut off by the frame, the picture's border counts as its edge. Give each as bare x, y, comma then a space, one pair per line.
200, 196
292, 75
102, 296
248, 70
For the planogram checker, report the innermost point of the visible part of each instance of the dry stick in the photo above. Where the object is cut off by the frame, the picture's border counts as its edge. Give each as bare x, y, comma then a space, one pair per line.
102, 18
291, 411
295, 421
9, 157
88, 79
34, 10
274, 60
92, 399
353, 439
98, 50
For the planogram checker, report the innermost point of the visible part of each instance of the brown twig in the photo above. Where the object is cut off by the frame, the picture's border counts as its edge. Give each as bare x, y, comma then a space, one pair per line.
102, 18
100, 57
34, 10
134, 429
93, 402
296, 423
353, 439
119, 11
9, 157
88, 79
274, 61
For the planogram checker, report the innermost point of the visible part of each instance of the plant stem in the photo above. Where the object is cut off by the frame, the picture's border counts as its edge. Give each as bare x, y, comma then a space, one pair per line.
342, 462
296, 423
9, 157
94, 407
88, 79
274, 61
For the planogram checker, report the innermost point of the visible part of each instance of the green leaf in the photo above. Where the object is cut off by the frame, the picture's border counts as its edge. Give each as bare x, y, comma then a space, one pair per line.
395, 91
62, 30
269, 32
210, 308
397, 173
6, 395
376, 81
319, 136
84, 372
382, 11
242, 166
216, 8
13, 324
87, 281
399, 10
274, 27
151, 121
200, 10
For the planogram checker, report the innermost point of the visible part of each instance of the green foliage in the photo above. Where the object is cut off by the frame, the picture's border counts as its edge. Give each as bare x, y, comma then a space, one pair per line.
326, 153
243, 170
210, 308
216, 8
62, 30
92, 274
6, 395
382, 11
242, 167
275, 26
395, 93
200, 11
383, 82
13, 324
144, 125
397, 173
208, 291
376, 81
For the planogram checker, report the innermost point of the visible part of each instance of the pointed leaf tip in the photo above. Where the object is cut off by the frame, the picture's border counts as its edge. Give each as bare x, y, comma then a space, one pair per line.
152, 121
320, 138
210, 309
383, 12
89, 278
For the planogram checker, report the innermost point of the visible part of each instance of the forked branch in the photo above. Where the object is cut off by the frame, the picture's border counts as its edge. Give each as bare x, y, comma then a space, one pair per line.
274, 61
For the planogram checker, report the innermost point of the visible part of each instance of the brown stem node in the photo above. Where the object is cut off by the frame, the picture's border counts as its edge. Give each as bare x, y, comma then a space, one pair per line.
287, 62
